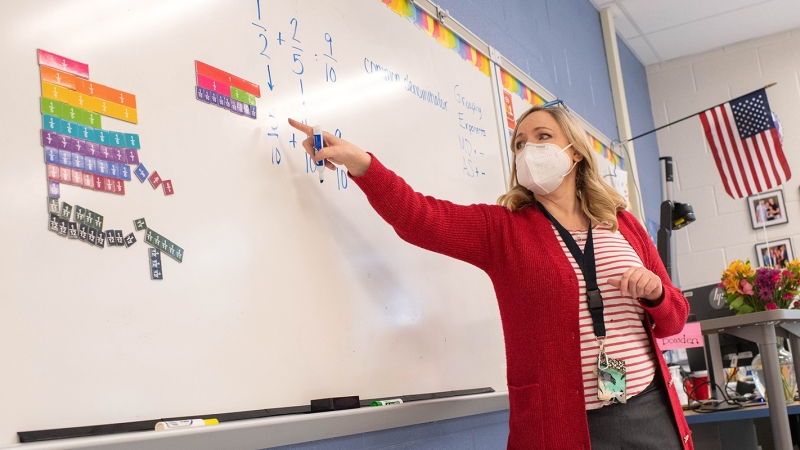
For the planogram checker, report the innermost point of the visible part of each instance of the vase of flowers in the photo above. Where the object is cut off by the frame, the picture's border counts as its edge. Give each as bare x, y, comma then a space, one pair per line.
765, 289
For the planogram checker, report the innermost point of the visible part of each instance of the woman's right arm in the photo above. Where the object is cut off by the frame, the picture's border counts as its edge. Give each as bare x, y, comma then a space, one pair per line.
461, 232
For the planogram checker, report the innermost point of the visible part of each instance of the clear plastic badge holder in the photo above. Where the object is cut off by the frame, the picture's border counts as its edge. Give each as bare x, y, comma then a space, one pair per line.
611, 377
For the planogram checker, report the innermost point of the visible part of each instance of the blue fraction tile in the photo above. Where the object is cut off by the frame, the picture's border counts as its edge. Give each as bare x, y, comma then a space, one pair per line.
64, 158
69, 128
78, 161
199, 93
252, 111
126, 172
51, 123
102, 167
54, 189
131, 156
226, 102
141, 172
51, 155
91, 164
114, 170
132, 141
214, 99
246, 109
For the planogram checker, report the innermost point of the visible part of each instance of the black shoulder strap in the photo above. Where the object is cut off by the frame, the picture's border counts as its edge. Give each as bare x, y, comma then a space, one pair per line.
586, 263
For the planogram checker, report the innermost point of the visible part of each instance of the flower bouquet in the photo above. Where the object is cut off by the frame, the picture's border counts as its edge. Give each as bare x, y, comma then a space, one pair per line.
763, 289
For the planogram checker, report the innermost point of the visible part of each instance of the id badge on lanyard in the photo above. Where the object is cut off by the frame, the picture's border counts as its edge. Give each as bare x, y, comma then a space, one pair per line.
611, 373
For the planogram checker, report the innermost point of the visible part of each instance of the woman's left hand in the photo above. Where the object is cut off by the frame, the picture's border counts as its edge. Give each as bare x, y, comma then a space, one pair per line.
638, 282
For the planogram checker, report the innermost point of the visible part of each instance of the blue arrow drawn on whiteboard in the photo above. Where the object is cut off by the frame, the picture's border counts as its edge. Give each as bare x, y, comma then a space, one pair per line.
270, 79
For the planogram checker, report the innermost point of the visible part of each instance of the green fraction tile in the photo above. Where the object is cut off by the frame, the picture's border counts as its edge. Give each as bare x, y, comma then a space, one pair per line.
71, 113
175, 252
79, 116
140, 224
242, 96
164, 245
80, 214
91, 119
52, 205
88, 219
98, 221
150, 237
52, 107
66, 211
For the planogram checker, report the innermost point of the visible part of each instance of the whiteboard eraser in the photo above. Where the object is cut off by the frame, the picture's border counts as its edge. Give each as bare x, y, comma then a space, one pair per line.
335, 404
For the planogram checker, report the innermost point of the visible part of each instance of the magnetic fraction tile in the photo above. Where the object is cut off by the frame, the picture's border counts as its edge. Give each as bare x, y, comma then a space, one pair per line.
130, 240
214, 99
119, 187
110, 241
53, 189
92, 238
52, 205
90, 164
64, 64
155, 262
118, 238
48, 138
118, 155
92, 149
52, 107
80, 214
54, 92
83, 232
213, 85
69, 128
101, 136
88, 180
200, 93
253, 112
141, 172
72, 230
50, 155
64, 158
66, 211
62, 142
126, 172
132, 141
92, 119
88, 87
114, 170
70, 113
88, 218
246, 109
51, 123
227, 102
168, 187
78, 161
149, 237
65, 175
132, 156
100, 239
154, 253
57, 77
109, 185
103, 167
63, 227
126, 113
105, 153
53, 224
104, 107
116, 139
53, 172
98, 221
86, 133
178, 256
74, 145
77, 177
99, 182
155, 180
139, 224
156, 274
156, 239
164, 245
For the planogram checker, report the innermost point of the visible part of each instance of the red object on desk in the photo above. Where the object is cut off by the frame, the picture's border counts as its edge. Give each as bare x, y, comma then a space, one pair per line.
700, 386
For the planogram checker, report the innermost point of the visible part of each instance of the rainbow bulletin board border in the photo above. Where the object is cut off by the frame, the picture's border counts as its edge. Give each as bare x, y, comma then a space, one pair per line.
434, 29
512, 84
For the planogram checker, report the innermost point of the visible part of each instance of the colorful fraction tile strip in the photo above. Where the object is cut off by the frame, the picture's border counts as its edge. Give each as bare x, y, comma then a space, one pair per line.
225, 90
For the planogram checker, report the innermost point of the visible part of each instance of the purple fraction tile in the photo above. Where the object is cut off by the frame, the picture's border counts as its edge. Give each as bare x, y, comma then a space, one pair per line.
48, 138
92, 149
119, 155
64, 158
78, 145
62, 142
105, 153
51, 155
141, 172
53, 189
131, 156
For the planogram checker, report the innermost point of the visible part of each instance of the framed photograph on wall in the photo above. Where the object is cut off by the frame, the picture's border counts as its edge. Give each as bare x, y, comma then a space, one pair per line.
777, 254
767, 209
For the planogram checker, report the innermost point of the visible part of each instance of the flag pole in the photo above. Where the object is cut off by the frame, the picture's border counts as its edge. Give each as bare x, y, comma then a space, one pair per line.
692, 115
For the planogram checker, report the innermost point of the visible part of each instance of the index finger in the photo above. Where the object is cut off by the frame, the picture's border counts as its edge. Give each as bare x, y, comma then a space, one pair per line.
302, 127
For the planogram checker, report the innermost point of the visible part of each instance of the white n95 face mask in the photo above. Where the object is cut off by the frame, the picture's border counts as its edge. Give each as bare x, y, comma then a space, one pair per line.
542, 167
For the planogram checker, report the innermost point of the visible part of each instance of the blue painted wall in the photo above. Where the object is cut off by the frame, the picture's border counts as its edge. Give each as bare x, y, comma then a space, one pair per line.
559, 43
641, 116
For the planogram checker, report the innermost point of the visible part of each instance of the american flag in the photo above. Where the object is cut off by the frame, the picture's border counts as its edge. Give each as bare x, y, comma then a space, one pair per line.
744, 138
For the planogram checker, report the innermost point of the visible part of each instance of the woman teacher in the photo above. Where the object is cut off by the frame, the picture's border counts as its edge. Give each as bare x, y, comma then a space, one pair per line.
581, 289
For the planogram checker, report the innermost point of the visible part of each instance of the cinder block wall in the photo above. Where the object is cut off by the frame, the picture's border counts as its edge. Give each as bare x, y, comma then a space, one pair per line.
679, 87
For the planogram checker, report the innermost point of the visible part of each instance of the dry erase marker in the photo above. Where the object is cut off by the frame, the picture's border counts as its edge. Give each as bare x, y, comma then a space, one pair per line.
394, 401
318, 144
175, 424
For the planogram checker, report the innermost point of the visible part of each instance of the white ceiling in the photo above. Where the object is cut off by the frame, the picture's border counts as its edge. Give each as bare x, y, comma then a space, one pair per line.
659, 30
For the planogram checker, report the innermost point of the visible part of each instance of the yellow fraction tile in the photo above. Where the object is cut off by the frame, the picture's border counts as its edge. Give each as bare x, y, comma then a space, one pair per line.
125, 113
53, 92
78, 100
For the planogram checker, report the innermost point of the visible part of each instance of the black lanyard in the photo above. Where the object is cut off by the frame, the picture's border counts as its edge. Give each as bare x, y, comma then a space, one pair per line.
586, 263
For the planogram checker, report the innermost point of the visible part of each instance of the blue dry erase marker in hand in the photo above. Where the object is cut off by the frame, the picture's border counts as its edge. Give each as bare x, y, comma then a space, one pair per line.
318, 144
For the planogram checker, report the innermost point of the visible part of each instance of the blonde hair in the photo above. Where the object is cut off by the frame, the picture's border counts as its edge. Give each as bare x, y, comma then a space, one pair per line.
599, 201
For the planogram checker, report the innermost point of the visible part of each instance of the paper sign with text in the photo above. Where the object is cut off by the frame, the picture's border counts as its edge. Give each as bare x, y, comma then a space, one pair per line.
689, 337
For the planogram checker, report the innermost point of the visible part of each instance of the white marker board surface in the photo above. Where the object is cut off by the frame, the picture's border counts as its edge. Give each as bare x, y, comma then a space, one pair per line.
289, 289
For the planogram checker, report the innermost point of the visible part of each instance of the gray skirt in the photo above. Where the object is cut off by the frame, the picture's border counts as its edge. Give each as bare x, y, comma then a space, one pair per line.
645, 422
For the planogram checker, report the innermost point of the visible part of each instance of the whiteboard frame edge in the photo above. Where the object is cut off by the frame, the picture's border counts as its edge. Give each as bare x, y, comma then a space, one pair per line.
286, 430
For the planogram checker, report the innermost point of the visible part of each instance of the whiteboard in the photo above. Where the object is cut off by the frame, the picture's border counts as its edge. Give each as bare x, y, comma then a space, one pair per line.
289, 289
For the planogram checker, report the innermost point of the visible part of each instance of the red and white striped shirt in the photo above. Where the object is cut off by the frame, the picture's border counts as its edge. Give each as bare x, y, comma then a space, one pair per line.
624, 318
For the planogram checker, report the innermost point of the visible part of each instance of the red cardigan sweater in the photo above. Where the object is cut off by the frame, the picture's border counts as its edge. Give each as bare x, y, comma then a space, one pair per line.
532, 278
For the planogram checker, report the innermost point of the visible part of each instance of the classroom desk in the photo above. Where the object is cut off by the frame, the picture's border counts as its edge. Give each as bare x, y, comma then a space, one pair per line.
733, 429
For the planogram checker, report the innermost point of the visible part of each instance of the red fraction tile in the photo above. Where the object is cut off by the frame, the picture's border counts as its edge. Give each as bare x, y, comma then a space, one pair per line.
213, 85
53, 173
63, 64
66, 175
99, 182
109, 185
155, 180
168, 187
77, 177
88, 181
221, 75
119, 187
